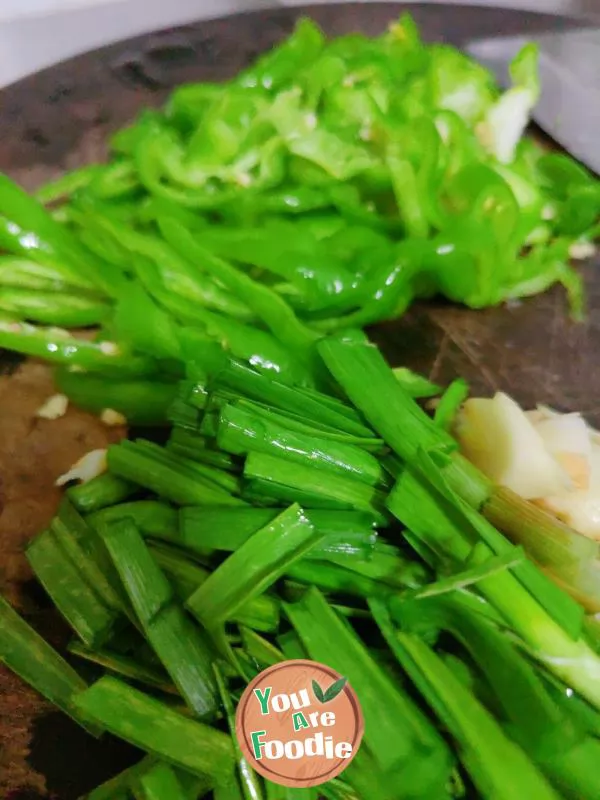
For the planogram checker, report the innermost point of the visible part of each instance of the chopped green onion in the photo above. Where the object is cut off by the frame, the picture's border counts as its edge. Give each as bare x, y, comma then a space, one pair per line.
288, 478
241, 432
497, 765
125, 666
395, 730
77, 601
25, 652
255, 566
168, 480
156, 728
103, 490
176, 640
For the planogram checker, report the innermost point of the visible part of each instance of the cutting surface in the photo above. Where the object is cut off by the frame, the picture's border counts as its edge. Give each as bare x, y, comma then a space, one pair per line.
60, 119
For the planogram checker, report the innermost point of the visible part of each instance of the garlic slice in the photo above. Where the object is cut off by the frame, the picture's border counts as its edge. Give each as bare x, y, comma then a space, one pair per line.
497, 436
567, 438
550, 458
580, 508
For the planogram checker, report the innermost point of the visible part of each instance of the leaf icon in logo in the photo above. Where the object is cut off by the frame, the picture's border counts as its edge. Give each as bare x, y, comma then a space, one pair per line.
318, 692
334, 690
331, 693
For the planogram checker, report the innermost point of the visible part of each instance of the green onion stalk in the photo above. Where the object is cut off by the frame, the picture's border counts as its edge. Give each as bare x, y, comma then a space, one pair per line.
367, 380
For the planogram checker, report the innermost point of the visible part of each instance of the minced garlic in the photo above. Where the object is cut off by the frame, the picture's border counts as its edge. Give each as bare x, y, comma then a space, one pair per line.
89, 466
54, 407
112, 418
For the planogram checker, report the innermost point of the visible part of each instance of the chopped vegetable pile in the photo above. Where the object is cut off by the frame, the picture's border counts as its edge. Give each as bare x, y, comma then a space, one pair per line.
305, 505
280, 522
328, 185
